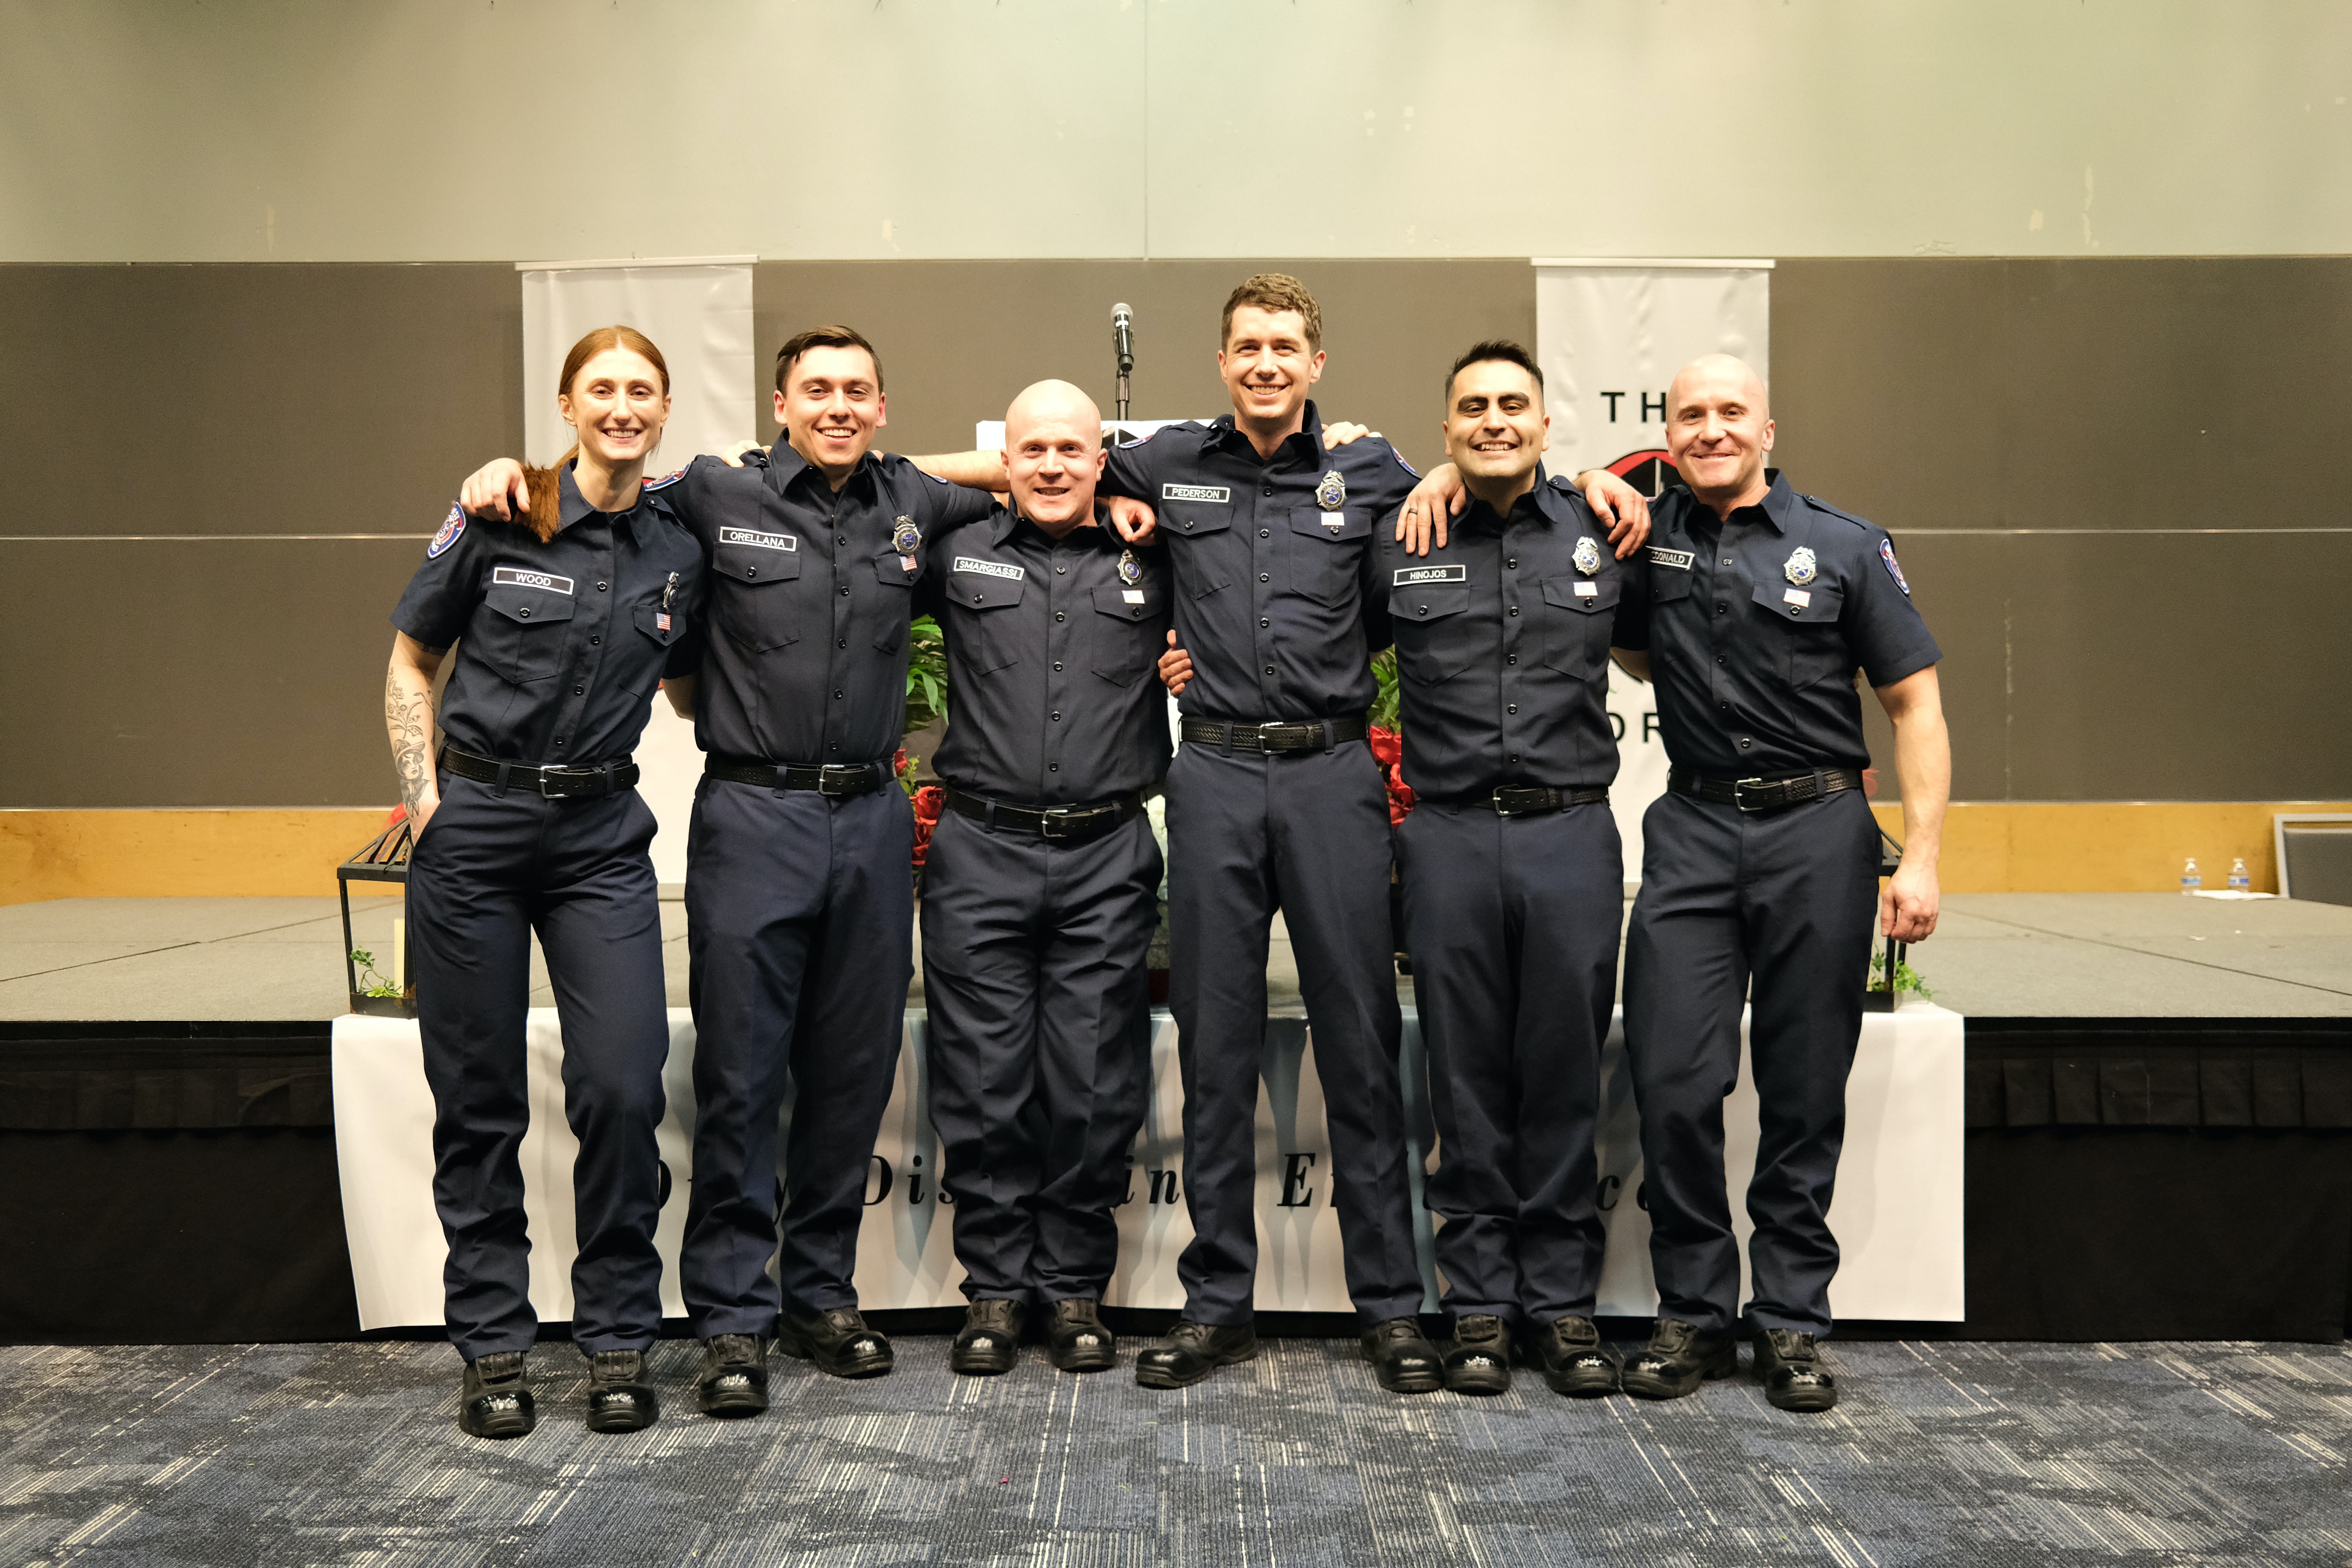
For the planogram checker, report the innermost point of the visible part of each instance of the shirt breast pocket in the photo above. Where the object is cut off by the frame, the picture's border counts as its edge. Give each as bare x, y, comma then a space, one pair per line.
1433, 636
1324, 549
1578, 614
987, 620
898, 574
755, 596
1123, 632
1809, 639
1211, 523
524, 635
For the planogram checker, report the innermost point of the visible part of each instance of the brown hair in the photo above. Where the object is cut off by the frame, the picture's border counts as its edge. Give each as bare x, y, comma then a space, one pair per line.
825, 338
546, 514
1500, 350
1274, 291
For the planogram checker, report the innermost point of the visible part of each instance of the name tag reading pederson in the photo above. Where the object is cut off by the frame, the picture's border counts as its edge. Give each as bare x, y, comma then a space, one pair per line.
1219, 494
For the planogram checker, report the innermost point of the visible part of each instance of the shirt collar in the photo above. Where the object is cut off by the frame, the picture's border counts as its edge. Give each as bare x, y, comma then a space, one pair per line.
1006, 520
572, 507
786, 462
1536, 506
1222, 434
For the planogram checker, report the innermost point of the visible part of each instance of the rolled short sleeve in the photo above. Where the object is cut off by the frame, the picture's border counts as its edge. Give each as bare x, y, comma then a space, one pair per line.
440, 599
1883, 626
1130, 470
950, 506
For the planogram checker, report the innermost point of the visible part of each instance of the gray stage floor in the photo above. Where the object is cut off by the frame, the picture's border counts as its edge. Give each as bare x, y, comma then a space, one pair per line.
1940, 1454
1996, 955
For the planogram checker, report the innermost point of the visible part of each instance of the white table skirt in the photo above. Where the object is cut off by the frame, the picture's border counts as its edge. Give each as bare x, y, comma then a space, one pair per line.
1897, 1215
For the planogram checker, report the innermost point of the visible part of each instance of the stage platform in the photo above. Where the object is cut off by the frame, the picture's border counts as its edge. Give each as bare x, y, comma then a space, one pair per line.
2159, 1113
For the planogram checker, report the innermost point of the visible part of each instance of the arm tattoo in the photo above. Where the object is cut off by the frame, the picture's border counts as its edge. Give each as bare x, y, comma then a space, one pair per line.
408, 719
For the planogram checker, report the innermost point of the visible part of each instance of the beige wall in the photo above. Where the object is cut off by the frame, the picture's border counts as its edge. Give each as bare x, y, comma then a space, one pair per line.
503, 130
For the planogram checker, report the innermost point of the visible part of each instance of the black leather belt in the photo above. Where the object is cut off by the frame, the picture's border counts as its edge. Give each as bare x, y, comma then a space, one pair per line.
1765, 794
1062, 824
1275, 735
577, 783
837, 781
1533, 800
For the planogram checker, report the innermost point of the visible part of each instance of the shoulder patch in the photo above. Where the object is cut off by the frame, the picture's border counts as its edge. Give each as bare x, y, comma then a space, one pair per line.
669, 479
933, 477
1886, 553
1408, 467
451, 527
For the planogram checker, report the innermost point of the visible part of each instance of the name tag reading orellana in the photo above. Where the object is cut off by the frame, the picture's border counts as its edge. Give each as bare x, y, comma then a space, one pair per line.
516, 578
757, 540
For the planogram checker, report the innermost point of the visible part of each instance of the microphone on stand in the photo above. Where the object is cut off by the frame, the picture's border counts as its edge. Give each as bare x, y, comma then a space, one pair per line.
1122, 332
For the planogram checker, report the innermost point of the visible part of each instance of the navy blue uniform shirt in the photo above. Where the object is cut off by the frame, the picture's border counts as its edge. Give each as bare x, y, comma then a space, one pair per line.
561, 646
810, 592
1757, 624
1503, 640
1271, 563
1053, 698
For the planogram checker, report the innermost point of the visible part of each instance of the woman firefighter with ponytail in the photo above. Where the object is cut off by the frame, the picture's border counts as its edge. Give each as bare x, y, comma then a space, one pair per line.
565, 623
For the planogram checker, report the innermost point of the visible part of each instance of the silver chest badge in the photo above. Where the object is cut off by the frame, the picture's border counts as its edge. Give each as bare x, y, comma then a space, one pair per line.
1587, 556
1801, 568
1332, 493
1130, 570
905, 536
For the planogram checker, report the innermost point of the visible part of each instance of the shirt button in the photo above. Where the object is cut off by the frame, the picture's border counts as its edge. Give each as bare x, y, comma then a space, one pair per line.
1052, 767
1264, 578
1269, 669
1424, 609
1057, 663
843, 642
558, 742
579, 691
1059, 616
595, 642
749, 571
976, 598
1743, 745
1720, 660
524, 614
1263, 623
600, 587
845, 590
1511, 658
836, 696
1511, 707
1060, 571
1514, 758
1188, 522
1513, 563
1268, 490
1057, 715
1515, 609
1263, 533
841, 539
1722, 609
1726, 560
835, 746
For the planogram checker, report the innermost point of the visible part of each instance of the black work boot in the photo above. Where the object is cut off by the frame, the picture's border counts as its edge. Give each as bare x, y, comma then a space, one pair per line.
734, 1379
1569, 1351
1191, 1351
495, 1400
619, 1397
990, 1340
838, 1341
1789, 1365
1404, 1361
1076, 1339
1479, 1359
1679, 1358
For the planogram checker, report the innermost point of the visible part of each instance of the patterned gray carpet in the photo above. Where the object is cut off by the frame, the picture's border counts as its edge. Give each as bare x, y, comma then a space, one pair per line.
1941, 1454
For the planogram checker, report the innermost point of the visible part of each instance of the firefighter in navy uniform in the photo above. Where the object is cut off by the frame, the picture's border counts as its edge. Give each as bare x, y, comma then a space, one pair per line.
1759, 876
1274, 801
1040, 886
532, 821
1513, 877
800, 907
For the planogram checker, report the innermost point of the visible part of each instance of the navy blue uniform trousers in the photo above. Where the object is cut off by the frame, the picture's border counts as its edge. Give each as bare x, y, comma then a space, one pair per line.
1777, 908
1512, 923
487, 870
1307, 832
1034, 956
800, 934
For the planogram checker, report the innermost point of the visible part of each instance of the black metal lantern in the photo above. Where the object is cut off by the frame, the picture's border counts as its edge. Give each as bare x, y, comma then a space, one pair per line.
385, 858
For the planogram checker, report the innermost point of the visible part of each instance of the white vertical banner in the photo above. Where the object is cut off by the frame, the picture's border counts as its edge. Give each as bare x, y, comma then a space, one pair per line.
697, 311
1609, 335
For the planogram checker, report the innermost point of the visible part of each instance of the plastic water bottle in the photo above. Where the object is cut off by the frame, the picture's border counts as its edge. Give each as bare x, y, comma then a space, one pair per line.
2191, 879
2239, 881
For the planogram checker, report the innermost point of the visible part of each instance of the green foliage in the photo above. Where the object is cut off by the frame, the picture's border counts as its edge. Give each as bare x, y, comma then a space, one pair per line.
927, 673
370, 983
1905, 979
1384, 706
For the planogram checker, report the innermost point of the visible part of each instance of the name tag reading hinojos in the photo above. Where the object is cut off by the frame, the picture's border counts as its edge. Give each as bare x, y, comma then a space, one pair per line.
1412, 576
516, 578
989, 568
1219, 494
758, 541
1680, 560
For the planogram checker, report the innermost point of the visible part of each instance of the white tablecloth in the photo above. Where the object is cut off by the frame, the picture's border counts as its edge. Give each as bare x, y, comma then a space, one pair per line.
1897, 1214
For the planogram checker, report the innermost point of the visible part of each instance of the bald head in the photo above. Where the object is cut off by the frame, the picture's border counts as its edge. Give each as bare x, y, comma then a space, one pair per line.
1718, 429
1053, 455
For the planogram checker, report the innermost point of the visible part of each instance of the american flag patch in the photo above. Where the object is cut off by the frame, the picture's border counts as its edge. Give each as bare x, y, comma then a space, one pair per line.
661, 620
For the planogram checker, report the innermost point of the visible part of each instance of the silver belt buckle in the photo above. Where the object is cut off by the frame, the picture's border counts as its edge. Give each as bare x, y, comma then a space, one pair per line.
1049, 818
559, 774
1738, 795
835, 779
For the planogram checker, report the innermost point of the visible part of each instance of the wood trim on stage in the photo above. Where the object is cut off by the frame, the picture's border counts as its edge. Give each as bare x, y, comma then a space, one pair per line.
181, 854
